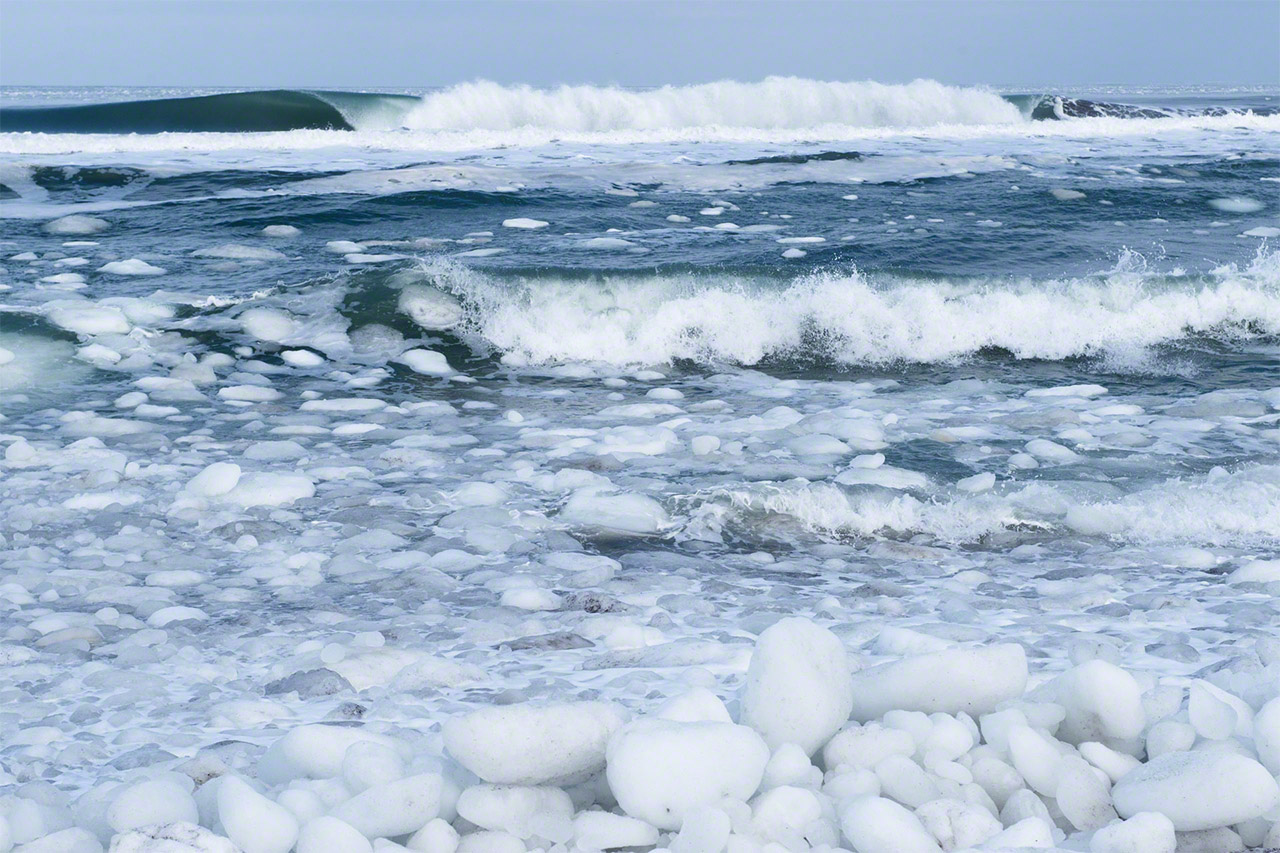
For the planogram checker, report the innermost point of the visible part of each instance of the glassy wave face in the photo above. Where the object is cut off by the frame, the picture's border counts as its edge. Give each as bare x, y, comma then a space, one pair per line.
972, 365
777, 103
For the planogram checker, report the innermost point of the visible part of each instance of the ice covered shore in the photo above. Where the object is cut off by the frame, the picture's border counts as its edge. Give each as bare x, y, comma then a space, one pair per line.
940, 750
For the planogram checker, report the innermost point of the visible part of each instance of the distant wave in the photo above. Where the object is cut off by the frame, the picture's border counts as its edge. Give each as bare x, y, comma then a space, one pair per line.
773, 104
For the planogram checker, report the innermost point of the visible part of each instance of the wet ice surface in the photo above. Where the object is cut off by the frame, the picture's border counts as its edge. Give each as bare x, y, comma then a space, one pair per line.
244, 490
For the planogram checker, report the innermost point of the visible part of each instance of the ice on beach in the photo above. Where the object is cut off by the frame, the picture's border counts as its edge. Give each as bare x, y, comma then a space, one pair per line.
554, 744
974, 680
1198, 790
799, 689
660, 770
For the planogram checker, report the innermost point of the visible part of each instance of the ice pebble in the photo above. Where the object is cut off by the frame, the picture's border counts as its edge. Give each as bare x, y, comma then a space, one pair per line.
267, 324
436, 837
878, 825
1145, 832
263, 489
799, 688
1103, 703
977, 483
522, 810
1198, 790
660, 770
131, 266
239, 252
249, 393
970, 679
154, 801
1083, 794
594, 830
489, 841
395, 808
73, 840
625, 513
1256, 571
255, 823
957, 825
328, 834
179, 837
312, 752
1266, 735
425, 361
216, 479
429, 307
866, 746
527, 744
1033, 833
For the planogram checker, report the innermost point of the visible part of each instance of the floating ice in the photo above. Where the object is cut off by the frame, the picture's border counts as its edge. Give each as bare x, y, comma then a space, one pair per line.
77, 225
132, 266
524, 223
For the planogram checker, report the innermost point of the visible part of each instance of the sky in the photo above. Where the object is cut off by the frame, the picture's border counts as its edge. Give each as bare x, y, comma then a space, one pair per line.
386, 44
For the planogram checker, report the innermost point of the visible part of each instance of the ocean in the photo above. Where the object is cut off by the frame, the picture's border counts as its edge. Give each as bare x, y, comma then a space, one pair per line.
380, 407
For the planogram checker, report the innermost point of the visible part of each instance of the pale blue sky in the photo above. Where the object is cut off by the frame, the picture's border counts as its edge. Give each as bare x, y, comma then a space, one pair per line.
381, 43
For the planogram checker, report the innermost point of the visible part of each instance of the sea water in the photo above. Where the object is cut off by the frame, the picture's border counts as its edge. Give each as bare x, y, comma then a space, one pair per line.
431, 400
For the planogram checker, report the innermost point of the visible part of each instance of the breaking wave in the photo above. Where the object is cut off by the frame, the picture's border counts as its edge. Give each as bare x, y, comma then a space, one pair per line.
852, 318
772, 104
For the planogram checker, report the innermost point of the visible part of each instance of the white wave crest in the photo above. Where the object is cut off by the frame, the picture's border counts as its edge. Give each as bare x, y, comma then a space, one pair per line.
853, 319
773, 103
1221, 507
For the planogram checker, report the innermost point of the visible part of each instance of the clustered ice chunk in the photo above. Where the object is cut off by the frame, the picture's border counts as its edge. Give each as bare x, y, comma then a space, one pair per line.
942, 750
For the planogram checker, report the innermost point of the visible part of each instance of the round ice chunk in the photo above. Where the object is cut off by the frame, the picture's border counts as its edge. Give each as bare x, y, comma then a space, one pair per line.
877, 825
131, 266
659, 770
262, 489
280, 231
76, 225
606, 831
799, 688
617, 513
523, 222
180, 837
430, 308
1145, 832
255, 823
394, 808
329, 835
267, 324
974, 680
518, 809
312, 752
526, 744
1198, 790
216, 479
239, 252
160, 800
425, 361
1102, 701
